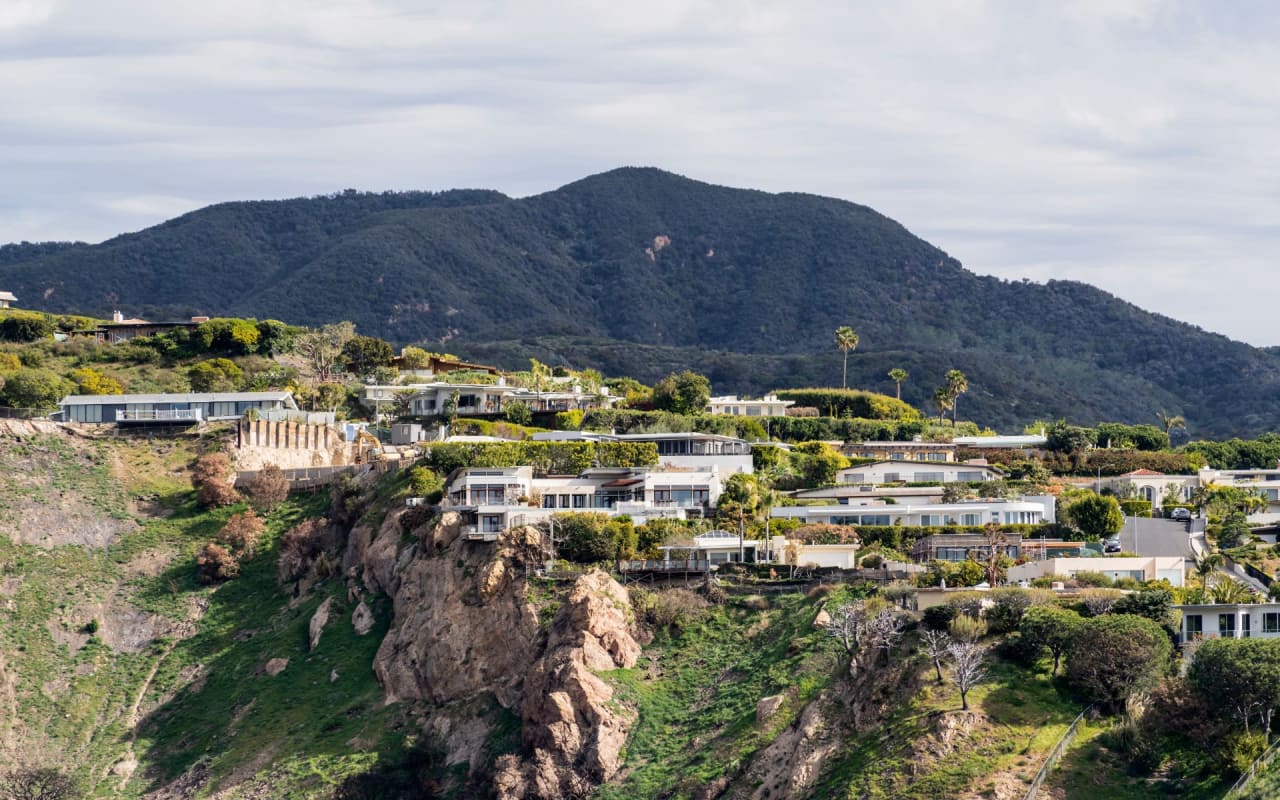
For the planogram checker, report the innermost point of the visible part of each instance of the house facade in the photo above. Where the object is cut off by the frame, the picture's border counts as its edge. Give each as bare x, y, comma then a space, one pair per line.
917, 472
1230, 621
1027, 511
696, 451
472, 399
493, 500
170, 408
1153, 568
767, 406
963, 546
900, 451
6, 298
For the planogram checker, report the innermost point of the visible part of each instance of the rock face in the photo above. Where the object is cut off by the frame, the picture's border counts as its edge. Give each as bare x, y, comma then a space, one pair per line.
573, 730
461, 626
318, 621
362, 619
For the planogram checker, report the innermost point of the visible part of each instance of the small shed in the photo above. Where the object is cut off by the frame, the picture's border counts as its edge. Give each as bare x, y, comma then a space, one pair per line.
6, 298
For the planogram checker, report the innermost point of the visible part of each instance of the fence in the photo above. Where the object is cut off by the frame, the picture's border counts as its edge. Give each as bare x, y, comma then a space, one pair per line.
1257, 766
1056, 753
26, 413
308, 477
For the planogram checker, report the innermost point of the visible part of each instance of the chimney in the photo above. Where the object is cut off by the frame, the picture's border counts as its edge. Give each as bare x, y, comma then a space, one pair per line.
116, 316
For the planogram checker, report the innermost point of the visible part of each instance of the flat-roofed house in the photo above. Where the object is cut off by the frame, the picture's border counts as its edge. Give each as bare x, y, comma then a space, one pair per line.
170, 408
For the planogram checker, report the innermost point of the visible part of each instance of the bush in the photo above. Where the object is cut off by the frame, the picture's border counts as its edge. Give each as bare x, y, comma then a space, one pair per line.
215, 563
209, 477
241, 533
1241, 749
1112, 656
91, 381
518, 413
38, 784
268, 489
967, 629
851, 403
668, 608
25, 328
299, 545
938, 618
215, 375
34, 388
426, 483
1010, 604
1134, 507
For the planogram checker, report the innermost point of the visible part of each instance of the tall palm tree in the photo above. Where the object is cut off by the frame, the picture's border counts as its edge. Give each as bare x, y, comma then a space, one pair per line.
846, 340
1229, 590
898, 375
1206, 565
957, 384
1169, 423
942, 399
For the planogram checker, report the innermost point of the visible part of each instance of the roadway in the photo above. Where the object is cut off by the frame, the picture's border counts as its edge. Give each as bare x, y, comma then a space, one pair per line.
1156, 537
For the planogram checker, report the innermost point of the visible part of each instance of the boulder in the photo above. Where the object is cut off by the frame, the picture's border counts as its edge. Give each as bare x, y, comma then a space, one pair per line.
275, 666
319, 620
362, 619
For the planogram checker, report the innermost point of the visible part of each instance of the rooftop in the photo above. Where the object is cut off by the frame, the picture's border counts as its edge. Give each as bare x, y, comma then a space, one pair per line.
211, 397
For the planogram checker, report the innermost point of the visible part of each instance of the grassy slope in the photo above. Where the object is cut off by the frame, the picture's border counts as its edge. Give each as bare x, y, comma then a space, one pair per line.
77, 703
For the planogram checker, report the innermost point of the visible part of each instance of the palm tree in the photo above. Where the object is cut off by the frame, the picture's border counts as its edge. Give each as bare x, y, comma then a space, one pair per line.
1206, 565
1229, 590
898, 375
942, 399
957, 384
1169, 423
846, 340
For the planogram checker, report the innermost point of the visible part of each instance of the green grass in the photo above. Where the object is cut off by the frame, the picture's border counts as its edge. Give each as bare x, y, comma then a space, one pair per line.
696, 694
1089, 770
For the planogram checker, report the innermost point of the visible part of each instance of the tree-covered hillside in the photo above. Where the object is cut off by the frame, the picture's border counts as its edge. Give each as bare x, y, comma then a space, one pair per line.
637, 270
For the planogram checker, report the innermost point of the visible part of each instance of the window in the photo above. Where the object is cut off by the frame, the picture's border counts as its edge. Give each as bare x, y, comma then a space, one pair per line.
873, 519
548, 501
937, 456
891, 477
1227, 626
970, 519
971, 476
579, 501
491, 523
1195, 624
564, 501
929, 477
855, 477
1271, 622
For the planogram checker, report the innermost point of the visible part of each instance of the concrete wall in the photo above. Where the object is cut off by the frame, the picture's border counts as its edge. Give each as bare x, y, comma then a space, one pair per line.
289, 445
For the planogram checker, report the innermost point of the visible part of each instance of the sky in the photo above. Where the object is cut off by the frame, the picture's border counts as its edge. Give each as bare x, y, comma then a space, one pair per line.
1130, 144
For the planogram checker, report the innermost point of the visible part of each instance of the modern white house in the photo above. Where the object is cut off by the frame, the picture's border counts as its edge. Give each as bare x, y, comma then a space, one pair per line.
495, 499
901, 451
1264, 481
917, 472
767, 406
6, 298
698, 451
1152, 568
1230, 621
1145, 484
1017, 442
170, 408
1030, 510
474, 399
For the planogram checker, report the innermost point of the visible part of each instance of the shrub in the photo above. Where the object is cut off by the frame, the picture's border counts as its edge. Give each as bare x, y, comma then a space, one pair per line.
299, 545
25, 328
873, 561
9, 363
215, 375
668, 608
41, 783
241, 533
1112, 656
209, 478
518, 413
938, 618
33, 388
268, 489
967, 629
216, 563
91, 381
1135, 507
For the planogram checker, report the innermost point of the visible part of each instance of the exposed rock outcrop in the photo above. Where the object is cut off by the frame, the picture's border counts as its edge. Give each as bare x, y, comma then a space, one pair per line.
571, 726
318, 621
362, 619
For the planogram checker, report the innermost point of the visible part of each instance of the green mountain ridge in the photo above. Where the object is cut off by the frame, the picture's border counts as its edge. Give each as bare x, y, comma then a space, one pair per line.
637, 270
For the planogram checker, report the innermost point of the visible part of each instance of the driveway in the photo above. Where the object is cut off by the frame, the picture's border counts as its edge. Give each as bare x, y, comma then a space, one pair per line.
1155, 537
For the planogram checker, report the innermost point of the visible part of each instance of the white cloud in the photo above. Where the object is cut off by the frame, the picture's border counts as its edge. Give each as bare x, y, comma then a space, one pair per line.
1128, 144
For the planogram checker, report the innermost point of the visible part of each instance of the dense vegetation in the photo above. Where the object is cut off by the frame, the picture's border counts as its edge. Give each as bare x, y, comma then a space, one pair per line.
641, 272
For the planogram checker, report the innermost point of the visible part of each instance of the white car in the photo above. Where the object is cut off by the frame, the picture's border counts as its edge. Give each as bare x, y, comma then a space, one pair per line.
1180, 514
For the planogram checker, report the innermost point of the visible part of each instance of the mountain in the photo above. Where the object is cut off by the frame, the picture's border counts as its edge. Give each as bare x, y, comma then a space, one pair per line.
638, 271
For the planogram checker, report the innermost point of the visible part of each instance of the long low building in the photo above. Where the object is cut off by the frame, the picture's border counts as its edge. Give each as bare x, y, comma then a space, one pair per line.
1230, 621
1027, 511
1154, 568
170, 408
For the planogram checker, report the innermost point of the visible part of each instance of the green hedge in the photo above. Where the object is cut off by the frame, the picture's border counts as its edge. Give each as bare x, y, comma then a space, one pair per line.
1134, 507
854, 403
562, 458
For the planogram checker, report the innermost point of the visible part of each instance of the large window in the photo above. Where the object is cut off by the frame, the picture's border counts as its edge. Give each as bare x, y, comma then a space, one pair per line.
929, 477
1227, 626
1195, 625
971, 476
1271, 622
970, 519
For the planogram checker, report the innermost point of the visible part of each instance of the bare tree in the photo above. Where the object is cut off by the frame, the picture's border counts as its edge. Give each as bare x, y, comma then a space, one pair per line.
322, 347
884, 629
847, 626
968, 667
935, 646
1099, 601
39, 783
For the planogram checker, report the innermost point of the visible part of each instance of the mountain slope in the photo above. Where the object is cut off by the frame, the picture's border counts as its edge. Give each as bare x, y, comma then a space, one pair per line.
649, 259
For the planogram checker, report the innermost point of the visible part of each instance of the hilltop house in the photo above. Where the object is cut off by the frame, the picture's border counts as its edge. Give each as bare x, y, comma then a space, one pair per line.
491, 500
767, 406
699, 451
6, 298
120, 329
1230, 621
170, 408
900, 451
918, 472
1029, 510
1152, 568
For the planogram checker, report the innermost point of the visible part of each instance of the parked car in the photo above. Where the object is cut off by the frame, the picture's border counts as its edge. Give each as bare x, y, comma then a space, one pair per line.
1111, 545
1181, 514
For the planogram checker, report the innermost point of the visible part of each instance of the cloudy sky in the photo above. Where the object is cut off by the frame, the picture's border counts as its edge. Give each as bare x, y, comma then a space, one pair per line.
1131, 144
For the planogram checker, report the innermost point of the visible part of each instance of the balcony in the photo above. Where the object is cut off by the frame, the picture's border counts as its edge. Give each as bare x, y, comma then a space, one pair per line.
159, 415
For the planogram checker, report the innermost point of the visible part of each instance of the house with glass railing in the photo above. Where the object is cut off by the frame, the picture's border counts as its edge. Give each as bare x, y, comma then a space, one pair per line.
169, 409
1230, 621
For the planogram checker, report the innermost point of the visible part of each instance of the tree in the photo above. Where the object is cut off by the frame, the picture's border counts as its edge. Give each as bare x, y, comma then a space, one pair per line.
363, 354
209, 477
1171, 422
968, 667
898, 375
34, 388
942, 401
415, 358
1096, 516
322, 347
1112, 656
228, 335
1154, 604
23, 328
517, 413
1052, 628
37, 783
1230, 590
935, 645
957, 384
846, 340
1239, 676
1206, 565
682, 393
268, 489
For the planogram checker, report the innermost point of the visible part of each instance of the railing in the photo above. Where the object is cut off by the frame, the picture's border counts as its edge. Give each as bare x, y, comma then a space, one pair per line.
26, 413
160, 415
308, 477
1056, 753
658, 565
1257, 766
475, 534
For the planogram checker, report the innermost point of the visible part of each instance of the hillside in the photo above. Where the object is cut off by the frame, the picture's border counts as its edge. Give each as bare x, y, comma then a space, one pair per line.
638, 270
